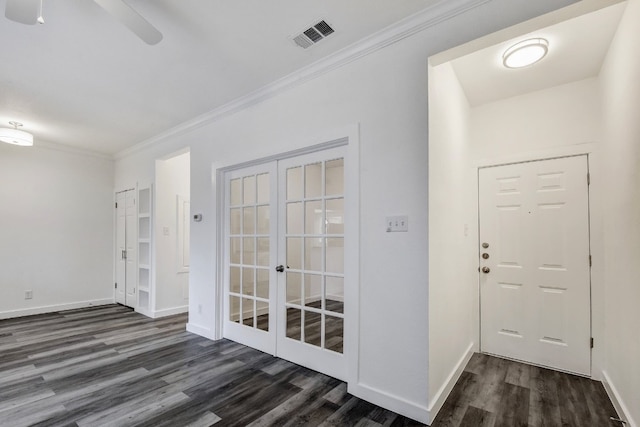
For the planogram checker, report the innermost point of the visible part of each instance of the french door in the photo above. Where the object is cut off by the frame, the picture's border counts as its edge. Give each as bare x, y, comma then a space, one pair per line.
284, 259
534, 258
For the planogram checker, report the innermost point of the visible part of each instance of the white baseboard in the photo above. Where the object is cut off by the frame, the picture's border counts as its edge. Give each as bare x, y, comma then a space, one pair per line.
201, 330
53, 308
170, 311
617, 401
443, 392
388, 401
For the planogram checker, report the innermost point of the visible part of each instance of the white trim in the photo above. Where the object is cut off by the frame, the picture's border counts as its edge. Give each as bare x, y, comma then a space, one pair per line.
391, 402
169, 311
543, 154
616, 399
441, 395
426, 18
54, 308
201, 330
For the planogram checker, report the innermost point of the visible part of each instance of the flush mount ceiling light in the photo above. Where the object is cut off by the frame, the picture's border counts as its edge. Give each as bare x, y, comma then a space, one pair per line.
525, 53
16, 136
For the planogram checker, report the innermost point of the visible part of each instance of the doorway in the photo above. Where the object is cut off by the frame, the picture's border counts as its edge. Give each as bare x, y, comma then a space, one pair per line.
535, 287
284, 281
126, 241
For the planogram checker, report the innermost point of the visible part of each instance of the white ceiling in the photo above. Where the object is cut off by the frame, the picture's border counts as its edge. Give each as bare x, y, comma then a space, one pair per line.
84, 80
577, 49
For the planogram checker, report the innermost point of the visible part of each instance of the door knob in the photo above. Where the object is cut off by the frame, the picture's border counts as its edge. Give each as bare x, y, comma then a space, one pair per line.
485, 270
280, 268
485, 255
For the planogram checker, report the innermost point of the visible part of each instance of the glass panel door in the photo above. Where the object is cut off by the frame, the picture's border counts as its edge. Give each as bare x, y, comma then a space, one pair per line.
311, 306
250, 210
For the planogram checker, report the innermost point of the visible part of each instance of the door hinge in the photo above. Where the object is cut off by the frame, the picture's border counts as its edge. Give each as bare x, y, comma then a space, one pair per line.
116, 285
590, 261
591, 342
588, 179
116, 205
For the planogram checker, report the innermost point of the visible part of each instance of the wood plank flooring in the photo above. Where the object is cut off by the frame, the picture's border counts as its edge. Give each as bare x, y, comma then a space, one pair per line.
497, 392
109, 366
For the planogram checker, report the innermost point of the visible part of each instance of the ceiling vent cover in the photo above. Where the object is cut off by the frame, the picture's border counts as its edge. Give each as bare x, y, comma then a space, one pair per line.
313, 35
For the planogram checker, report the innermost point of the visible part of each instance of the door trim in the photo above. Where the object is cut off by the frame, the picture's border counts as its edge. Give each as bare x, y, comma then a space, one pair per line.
587, 151
349, 137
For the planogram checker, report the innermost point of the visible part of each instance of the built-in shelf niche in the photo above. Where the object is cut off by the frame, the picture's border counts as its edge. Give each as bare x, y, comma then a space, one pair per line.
144, 248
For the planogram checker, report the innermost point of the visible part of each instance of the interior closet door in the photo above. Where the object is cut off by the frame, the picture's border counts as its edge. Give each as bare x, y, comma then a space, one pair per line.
126, 240
534, 257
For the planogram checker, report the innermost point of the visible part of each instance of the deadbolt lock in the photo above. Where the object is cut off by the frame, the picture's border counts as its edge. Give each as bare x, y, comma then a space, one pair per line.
485, 256
485, 245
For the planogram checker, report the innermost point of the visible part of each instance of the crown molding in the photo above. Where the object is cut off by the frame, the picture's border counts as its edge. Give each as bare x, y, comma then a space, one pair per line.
45, 145
439, 12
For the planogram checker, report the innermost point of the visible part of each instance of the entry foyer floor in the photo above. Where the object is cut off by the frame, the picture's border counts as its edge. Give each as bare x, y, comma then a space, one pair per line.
110, 366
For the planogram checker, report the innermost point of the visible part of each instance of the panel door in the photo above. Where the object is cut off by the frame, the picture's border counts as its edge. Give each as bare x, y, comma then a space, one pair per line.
131, 249
534, 256
121, 247
311, 284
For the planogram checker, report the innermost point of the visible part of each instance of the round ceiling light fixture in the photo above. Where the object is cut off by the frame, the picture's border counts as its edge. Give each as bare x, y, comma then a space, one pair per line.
16, 136
525, 53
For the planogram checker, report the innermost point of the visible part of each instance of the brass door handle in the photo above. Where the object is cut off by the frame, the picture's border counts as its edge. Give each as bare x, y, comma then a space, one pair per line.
486, 270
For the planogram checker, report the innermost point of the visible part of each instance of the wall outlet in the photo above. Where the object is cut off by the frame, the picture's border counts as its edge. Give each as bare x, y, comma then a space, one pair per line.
28, 294
397, 223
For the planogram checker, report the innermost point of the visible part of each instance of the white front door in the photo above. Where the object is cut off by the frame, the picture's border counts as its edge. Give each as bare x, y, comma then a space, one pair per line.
535, 264
284, 259
126, 216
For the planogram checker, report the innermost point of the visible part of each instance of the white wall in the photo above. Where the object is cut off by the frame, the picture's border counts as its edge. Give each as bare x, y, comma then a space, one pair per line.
621, 111
171, 286
453, 277
56, 230
385, 93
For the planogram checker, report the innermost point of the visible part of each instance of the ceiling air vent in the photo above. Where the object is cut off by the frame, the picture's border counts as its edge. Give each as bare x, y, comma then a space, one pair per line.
313, 35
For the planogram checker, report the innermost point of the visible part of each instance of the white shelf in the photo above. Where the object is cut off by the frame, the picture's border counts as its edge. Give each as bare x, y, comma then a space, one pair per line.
145, 225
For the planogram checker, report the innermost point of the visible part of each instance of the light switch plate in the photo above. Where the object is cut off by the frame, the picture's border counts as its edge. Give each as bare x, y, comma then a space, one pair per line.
397, 223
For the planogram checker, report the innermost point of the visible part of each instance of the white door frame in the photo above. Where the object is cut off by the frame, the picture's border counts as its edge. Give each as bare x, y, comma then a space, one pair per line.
526, 158
350, 138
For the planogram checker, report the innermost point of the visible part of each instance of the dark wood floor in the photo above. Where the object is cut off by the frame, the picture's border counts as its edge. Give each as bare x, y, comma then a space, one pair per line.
498, 392
111, 366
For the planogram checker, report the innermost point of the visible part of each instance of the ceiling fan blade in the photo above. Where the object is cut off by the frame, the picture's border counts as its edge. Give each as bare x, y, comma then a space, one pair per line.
131, 19
22, 11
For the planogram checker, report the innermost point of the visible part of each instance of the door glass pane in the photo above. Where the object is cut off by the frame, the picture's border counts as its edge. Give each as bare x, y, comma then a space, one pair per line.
334, 177
335, 255
294, 292
312, 325
335, 216
334, 294
236, 192
263, 251
249, 190
247, 312
247, 281
294, 183
334, 333
262, 315
249, 215
313, 180
313, 290
294, 253
235, 248
294, 218
234, 280
313, 253
313, 217
248, 251
263, 188
263, 220
262, 283
294, 319
235, 221
234, 309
